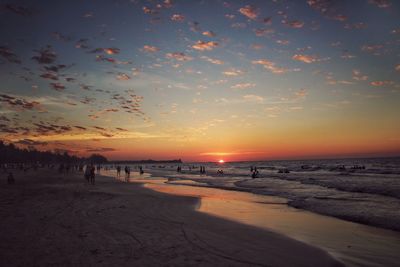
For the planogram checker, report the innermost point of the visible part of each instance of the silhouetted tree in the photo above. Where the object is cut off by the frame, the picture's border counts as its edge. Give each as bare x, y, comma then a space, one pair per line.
9, 153
97, 159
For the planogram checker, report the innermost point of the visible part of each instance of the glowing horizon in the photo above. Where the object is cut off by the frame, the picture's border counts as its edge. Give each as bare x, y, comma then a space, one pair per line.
202, 81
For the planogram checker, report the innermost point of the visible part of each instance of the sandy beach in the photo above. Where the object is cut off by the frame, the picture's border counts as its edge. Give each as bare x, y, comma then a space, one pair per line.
56, 219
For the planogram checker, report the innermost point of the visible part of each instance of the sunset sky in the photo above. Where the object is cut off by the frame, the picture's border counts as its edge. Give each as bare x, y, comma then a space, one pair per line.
202, 80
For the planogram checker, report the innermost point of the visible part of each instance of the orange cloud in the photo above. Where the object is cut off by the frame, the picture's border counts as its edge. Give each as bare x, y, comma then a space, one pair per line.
305, 58
209, 34
150, 49
381, 83
269, 65
200, 45
233, 72
111, 50
249, 12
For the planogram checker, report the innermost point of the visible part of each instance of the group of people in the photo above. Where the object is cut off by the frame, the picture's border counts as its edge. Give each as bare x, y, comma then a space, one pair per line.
127, 171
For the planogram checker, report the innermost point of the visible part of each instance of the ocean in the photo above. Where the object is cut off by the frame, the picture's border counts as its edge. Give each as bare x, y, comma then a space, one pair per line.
360, 190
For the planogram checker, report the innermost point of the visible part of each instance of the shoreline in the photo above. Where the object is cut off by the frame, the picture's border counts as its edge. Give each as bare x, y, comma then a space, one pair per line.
115, 223
299, 203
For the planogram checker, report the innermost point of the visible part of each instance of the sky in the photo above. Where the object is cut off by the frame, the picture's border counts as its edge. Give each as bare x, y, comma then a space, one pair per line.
202, 80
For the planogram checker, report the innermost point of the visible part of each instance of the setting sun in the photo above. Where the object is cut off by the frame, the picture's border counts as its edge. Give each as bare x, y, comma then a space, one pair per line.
221, 161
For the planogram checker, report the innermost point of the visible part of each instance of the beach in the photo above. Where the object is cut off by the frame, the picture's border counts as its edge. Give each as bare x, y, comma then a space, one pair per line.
57, 219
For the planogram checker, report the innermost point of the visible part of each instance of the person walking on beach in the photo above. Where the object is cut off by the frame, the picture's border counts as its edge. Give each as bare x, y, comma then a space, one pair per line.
128, 174
87, 174
92, 175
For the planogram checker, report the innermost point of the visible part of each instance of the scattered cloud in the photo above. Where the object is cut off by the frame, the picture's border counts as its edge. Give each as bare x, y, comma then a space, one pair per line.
100, 149
358, 76
209, 33
375, 49
202, 46
327, 8
178, 17
253, 98
263, 32
301, 93
249, 12
356, 26
179, 56
19, 103
233, 72
283, 42
271, 66
213, 60
296, 24
381, 3
111, 50
18, 10
9, 55
123, 77
30, 142
243, 85
57, 86
305, 58
381, 83
45, 55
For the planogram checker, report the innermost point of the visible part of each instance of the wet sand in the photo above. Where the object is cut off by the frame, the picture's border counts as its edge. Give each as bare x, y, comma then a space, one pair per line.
352, 243
56, 219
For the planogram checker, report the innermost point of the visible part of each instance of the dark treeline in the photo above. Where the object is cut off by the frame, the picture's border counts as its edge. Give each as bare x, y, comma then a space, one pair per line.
9, 153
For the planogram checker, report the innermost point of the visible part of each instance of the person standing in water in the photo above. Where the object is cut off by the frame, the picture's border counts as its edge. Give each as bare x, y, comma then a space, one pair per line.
118, 171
